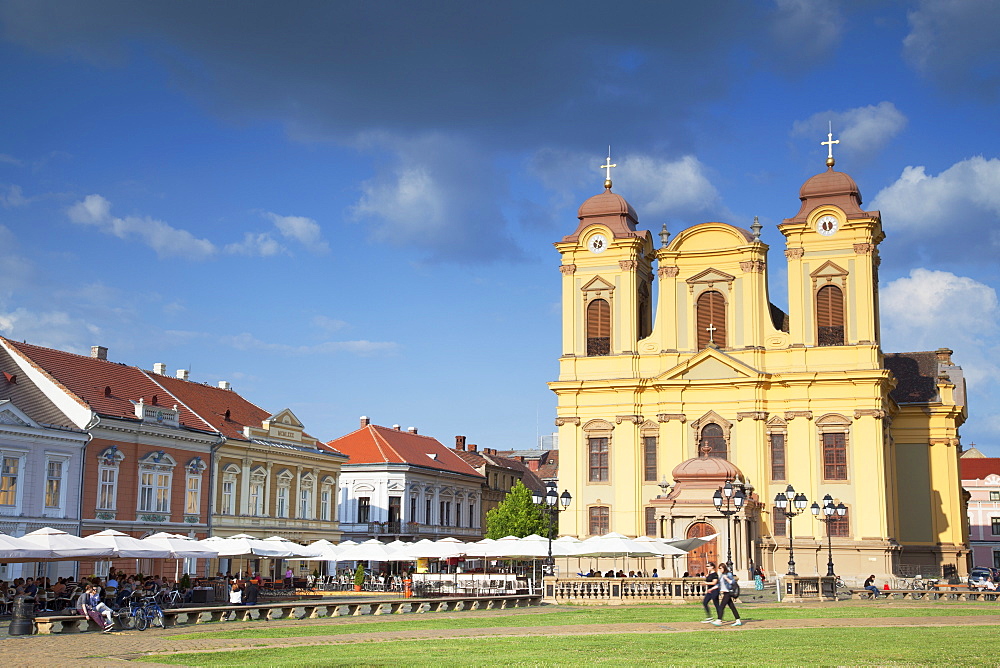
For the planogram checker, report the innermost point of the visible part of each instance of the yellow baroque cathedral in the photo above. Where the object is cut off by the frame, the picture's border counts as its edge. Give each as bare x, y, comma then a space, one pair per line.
660, 405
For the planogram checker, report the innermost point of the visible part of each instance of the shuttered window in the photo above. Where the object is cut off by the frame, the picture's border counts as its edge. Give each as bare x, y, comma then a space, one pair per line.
839, 526
600, 520
711, 319
649, 458
835, 456
777, 456
651, 522
830, 316
598, 328
780, 527
711, 435
598, 450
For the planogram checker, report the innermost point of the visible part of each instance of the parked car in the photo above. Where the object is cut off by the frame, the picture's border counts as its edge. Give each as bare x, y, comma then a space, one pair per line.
981, 577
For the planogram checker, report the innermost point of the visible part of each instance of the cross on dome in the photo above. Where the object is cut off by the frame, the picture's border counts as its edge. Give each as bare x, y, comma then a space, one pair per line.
830, 141
607, 166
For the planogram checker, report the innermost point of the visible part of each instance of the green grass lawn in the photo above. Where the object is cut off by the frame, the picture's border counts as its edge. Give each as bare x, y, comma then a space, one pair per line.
577, 615
954, 646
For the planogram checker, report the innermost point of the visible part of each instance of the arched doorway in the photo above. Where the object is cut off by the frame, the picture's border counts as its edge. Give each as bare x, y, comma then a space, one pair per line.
698, 558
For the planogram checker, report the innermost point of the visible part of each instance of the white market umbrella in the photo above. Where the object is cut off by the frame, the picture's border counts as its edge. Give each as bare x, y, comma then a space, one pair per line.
17, 549
241, 546
663, 548
295, 550
370, 550
61, 545
126, 546
688, 544
613, 545
180, 547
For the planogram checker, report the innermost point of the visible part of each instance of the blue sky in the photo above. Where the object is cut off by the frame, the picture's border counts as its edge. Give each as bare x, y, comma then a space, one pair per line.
348, 208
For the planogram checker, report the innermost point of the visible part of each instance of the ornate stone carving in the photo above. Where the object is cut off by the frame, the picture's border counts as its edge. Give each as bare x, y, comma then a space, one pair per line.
634, 419
876, 413
791, 415
795, 253
567, 269
560, 421
668, 272
628, 264
754, 415
752, 266
667, 417
864, 249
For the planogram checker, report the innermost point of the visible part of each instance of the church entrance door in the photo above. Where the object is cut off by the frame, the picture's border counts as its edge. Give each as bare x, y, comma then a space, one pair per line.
698, 558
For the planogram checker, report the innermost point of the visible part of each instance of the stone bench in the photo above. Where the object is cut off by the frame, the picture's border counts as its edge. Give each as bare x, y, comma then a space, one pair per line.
932, 594
302, 610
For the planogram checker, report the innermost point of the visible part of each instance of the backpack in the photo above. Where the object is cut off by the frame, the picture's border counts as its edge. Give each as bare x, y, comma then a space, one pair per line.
734, 588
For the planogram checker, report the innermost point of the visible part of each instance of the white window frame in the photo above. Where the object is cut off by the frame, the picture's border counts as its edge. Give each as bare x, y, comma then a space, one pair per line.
159, 467
109, 460
227, 499
284, 485
18, 492
60, 507
326, 499
258, 492
307, 486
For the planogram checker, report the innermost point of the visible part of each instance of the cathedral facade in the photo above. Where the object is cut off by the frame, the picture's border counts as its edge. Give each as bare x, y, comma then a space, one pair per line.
672, 352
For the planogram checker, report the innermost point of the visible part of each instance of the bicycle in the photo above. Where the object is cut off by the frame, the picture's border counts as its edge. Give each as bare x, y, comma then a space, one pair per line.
169, 599
148, 614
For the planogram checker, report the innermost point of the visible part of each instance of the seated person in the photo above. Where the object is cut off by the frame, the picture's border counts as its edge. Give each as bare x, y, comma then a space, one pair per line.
870, 585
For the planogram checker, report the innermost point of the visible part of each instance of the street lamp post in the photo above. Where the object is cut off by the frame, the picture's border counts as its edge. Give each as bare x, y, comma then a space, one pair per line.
728, 503
792, 504
552, 500
829, 509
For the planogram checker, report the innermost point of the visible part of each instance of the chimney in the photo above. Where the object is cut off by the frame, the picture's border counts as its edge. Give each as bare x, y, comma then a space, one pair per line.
473, 447
99, 352
396, 427
224, 385
412, 430
532, 464
460, 442
183, 374
365, 421
944, 356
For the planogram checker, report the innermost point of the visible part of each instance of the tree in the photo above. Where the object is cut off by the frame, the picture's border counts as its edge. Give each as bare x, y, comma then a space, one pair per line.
517, 515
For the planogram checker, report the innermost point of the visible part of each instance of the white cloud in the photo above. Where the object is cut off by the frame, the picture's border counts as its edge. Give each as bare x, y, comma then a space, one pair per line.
803, 32
932, 309
165, 240
677, 188
947, 212
246, 342
13, 197
256, 245
954, 43
862, 131
54, 329
304, 230
328, 324
9, 159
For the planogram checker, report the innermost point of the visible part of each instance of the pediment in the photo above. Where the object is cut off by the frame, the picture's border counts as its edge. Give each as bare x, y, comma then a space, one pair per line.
11, 414
597, 283
711, 364
828, 268
711, 275
285, 418
396, 486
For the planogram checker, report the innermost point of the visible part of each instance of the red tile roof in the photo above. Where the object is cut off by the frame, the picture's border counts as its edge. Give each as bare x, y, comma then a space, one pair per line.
109, 388
212, 403
977, 468
376, 445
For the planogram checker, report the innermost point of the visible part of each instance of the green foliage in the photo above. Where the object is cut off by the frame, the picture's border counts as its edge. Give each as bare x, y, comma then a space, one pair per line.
185, 581
359, 575
517, 516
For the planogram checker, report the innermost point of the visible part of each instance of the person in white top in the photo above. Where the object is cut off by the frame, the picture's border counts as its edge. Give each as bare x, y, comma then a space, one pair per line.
727, 586
235, 597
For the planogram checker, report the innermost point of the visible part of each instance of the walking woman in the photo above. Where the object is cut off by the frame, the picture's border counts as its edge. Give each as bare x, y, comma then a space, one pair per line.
727, 586
711, 594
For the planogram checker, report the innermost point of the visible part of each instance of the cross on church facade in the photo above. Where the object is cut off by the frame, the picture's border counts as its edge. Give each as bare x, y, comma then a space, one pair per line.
711, 332
607, 166
830, 141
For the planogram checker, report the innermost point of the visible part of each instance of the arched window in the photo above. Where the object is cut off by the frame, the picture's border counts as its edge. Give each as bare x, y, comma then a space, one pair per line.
712, 436
830, 316
711, 319
598, 328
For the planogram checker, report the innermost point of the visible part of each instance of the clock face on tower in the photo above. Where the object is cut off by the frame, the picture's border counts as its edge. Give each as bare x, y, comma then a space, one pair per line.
597, 244
827, 225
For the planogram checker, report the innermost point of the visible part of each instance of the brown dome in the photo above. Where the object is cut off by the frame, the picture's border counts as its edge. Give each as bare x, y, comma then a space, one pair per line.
830, 184
713, 469
607, 204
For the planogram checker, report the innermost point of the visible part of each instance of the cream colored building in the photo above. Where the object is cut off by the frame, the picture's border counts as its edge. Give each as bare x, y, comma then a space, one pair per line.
671, 348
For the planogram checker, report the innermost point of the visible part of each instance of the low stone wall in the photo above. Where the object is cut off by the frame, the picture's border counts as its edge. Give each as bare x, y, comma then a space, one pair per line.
301, 610
616, 591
